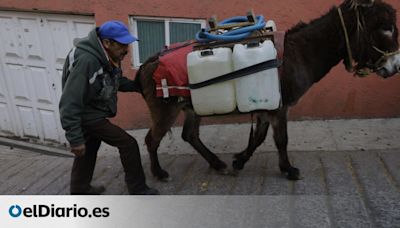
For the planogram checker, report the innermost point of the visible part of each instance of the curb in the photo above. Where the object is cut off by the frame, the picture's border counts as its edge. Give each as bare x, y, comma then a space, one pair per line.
44, 149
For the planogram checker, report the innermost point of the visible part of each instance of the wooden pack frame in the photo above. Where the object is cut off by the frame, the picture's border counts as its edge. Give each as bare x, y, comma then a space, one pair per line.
213, 22
256, 36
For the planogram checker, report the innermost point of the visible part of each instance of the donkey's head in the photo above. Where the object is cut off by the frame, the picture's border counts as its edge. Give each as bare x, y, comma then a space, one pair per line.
372, 37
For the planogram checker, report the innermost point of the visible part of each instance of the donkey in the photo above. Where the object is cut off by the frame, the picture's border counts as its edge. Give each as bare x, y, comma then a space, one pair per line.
361, 33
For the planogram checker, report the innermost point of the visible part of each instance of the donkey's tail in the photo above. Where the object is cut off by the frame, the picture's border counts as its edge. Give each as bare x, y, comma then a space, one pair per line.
137, 80
140, 73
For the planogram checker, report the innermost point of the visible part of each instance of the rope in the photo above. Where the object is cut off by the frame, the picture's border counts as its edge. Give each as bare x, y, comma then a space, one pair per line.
384, 56
205, 36
349, 66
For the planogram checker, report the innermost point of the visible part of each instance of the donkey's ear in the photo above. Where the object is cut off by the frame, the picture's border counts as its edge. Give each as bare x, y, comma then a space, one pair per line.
364, 3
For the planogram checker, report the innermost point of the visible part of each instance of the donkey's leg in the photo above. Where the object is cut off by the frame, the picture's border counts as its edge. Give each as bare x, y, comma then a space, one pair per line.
153, 139
279, 124
163, 116
190, 134
255, 139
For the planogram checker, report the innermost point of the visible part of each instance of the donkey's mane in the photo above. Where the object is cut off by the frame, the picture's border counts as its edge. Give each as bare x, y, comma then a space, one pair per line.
302, 25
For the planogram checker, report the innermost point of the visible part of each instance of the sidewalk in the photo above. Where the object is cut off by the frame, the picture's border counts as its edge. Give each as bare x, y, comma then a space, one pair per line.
329, 135
350, 172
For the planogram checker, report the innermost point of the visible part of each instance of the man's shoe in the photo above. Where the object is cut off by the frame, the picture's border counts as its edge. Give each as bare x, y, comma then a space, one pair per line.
146, 191
93, 190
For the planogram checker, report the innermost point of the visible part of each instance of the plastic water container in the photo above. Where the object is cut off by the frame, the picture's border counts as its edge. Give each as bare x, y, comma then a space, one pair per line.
207, 64
259, 91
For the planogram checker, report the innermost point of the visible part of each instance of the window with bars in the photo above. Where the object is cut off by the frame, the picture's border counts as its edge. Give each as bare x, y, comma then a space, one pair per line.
155, 33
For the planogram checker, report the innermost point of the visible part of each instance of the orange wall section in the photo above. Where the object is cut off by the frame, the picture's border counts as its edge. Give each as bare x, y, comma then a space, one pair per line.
338, 95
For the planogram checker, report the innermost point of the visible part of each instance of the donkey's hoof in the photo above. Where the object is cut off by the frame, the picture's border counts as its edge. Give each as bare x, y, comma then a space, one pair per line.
219, 165
293, 174
162, 175
237, 164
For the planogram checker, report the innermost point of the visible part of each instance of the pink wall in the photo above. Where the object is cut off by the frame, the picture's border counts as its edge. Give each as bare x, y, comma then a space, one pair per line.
338, 95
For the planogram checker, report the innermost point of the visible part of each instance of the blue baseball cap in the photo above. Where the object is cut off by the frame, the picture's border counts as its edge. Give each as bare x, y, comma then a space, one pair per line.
116, 30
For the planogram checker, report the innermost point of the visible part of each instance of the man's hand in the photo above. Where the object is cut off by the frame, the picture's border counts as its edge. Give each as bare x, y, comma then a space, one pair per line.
78, 150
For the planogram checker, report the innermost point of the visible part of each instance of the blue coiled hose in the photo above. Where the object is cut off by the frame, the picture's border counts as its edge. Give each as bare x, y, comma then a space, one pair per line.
233, 35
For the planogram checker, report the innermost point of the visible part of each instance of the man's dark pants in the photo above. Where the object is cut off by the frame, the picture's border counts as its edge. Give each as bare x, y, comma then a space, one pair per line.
95, 133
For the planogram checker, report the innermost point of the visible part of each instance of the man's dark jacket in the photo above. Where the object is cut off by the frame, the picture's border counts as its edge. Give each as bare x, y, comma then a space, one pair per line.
90, 85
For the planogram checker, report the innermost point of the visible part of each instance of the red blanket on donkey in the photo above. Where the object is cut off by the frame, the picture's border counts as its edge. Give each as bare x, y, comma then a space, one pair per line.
171, 75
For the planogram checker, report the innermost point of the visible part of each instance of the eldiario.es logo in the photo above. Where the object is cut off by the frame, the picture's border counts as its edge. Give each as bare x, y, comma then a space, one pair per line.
40, 211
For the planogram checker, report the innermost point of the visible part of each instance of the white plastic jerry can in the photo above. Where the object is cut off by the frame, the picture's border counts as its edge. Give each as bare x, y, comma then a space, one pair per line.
203, 65
259, 91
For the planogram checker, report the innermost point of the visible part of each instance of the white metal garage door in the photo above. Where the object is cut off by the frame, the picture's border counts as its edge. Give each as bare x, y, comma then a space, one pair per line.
32, 51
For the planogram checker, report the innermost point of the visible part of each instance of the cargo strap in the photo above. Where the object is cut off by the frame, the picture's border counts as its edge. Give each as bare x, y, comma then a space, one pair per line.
273, 63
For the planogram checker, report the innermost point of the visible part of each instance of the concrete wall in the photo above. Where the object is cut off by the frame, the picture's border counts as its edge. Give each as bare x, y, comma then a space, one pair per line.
338, 95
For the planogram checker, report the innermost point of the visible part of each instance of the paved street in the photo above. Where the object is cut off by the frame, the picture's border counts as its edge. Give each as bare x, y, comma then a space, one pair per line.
350, 171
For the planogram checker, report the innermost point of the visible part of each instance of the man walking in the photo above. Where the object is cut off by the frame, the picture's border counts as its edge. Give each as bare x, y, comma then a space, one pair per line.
91, 78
